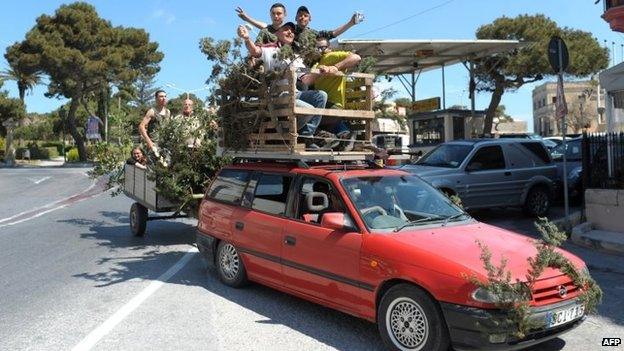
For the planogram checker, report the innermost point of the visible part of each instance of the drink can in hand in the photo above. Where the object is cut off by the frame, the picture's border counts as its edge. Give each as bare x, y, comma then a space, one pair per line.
359, 17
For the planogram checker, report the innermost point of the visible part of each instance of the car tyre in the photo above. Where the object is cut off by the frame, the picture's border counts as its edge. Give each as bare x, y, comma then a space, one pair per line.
230, 267
408, 319
537, 202
138, 219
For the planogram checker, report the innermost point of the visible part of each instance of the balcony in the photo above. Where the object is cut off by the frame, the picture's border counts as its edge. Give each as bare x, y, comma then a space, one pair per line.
614, 14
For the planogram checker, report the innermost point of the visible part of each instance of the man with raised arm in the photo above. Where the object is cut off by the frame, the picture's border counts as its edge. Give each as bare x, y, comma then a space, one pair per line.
306, 36
267, 32
306, 125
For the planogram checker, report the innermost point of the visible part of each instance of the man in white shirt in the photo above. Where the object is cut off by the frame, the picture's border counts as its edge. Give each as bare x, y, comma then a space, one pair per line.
306, 125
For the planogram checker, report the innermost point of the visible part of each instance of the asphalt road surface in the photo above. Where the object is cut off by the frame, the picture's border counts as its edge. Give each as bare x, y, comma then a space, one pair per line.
73, 277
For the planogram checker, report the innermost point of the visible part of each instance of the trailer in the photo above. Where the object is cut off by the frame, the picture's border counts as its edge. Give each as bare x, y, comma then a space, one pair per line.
142, 190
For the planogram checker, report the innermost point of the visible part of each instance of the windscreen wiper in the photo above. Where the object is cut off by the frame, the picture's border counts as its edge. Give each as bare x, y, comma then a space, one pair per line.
420, 220
447, 219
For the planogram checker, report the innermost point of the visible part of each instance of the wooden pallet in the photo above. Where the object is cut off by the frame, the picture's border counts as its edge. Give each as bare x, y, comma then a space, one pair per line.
274, 114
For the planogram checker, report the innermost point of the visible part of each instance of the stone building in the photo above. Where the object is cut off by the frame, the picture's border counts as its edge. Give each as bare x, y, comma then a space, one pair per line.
583, 108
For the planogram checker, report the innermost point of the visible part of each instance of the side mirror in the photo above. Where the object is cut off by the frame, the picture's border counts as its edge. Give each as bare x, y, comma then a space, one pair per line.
337, 221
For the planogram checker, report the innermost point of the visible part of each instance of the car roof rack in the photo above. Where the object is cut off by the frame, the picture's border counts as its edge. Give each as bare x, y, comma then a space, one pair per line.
306, 156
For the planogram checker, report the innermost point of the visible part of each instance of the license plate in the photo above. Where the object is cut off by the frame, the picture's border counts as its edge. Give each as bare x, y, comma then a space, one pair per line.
562, 316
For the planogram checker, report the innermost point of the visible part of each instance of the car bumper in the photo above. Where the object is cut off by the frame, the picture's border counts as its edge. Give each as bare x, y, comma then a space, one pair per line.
474, 328
207, 245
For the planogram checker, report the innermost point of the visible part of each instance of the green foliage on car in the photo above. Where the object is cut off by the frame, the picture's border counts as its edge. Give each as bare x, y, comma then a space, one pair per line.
515, 296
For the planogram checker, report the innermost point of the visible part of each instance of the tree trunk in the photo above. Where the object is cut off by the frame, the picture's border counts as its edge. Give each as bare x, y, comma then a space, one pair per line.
21, 88
73, 129
497, 94
102, 109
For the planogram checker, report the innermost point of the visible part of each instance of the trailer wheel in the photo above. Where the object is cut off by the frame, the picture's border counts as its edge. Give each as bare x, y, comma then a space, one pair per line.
138, 219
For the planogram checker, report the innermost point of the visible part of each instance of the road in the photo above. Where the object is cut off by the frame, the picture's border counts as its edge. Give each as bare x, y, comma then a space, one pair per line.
73, 277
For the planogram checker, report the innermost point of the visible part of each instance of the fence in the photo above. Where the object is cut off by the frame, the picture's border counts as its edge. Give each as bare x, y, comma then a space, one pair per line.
603, 161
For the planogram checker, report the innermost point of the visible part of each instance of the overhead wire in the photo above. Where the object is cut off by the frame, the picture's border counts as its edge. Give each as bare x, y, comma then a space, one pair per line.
407, 18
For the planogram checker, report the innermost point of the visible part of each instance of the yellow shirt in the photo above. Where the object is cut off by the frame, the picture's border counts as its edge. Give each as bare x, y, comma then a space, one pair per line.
334, 86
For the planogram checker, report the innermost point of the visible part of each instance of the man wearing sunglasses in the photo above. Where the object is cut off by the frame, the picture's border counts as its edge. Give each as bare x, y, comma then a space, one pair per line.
332, 62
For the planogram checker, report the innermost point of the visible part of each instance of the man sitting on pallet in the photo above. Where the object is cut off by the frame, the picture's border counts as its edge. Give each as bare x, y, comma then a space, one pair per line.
335, 86
306, 125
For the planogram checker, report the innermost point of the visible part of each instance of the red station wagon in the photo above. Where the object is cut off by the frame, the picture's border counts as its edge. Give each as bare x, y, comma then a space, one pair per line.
379, 244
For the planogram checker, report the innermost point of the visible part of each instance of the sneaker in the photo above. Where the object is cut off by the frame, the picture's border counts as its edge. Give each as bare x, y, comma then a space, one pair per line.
312, 147
329, 140
348, 144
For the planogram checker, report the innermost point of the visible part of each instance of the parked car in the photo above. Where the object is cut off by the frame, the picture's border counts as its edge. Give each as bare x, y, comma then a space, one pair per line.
487, 173
379, 244
550, 144
574, 167
555, 139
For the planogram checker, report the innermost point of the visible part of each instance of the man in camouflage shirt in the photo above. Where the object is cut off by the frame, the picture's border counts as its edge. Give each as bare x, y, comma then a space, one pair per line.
305, 37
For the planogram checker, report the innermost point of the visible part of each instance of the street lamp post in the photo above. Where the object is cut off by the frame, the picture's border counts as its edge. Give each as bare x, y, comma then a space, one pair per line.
62, 115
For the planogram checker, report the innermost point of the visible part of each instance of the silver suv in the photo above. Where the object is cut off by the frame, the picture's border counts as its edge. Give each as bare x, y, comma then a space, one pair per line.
488, 173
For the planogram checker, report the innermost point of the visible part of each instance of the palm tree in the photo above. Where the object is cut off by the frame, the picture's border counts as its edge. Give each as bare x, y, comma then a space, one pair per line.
25, 81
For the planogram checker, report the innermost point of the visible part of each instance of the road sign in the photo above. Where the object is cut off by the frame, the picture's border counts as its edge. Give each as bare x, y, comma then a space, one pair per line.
558, 54
426, 105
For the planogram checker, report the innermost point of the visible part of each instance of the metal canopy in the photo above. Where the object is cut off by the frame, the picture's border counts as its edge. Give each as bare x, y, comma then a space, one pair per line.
407, 56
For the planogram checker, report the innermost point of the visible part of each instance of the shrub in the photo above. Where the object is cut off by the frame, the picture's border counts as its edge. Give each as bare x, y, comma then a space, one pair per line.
2, 145
72, 155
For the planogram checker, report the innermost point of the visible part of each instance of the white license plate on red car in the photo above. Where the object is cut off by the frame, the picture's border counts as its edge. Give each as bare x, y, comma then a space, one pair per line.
562, 316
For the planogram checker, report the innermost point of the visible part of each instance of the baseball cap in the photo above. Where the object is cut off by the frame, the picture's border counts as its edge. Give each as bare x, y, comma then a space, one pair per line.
304, 9
288, 24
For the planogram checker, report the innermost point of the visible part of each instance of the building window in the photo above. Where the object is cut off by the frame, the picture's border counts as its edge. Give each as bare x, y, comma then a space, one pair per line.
428, 132
554, 99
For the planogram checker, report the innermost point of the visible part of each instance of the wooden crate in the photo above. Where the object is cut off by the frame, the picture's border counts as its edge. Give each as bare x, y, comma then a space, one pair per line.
272, 114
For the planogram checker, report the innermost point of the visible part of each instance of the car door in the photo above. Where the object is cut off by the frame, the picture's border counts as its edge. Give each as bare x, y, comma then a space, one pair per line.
522, 166
260, 224
529, 162
318, 261
487, 180
218, 214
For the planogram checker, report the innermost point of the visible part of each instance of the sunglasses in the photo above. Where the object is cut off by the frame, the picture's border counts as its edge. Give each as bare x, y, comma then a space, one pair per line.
322, 48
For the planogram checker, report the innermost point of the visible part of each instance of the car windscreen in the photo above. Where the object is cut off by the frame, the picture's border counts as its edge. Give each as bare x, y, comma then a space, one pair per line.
393, 202
446, 155
573, 152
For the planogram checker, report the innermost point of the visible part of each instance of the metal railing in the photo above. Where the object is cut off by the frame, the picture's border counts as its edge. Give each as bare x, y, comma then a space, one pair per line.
603, 160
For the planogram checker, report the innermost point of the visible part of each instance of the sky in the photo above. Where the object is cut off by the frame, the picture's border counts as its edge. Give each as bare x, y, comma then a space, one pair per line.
178, 27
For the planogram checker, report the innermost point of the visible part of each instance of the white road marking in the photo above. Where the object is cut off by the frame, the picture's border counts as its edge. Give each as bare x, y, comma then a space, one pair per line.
41, 208
33, 216
39, 180
101, 331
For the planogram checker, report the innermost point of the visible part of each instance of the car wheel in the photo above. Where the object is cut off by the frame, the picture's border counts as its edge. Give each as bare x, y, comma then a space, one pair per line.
230, 267
537, 202
138, 219
408, 319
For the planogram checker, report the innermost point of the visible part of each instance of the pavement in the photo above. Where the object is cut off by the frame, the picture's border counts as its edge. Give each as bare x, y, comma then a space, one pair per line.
585, 234
53, 163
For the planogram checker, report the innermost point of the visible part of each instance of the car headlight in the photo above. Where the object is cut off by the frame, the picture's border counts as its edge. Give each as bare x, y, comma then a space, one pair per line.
486, 296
